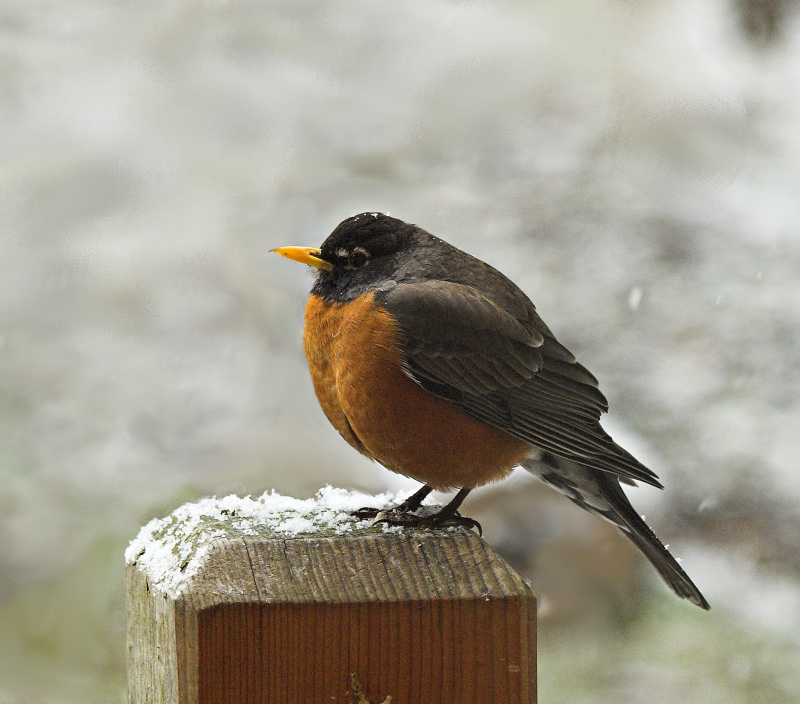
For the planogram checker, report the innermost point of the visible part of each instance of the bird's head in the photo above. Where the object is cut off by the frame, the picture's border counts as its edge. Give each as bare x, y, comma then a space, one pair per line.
365, 252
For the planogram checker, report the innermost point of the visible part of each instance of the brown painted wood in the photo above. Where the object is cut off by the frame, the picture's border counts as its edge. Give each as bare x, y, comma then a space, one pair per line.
424, 617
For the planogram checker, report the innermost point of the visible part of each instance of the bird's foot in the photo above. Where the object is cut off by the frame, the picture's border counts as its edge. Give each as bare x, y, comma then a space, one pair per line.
442, 519
385, 514
411, 504
365, 513
405, 514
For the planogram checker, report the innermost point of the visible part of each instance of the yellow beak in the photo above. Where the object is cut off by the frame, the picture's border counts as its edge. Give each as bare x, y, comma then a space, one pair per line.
304, 255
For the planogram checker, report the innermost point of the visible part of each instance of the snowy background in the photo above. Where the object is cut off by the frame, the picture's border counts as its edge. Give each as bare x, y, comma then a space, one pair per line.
634, 166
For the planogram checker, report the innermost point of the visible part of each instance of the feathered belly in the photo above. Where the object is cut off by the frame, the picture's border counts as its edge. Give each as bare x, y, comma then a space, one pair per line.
355, 362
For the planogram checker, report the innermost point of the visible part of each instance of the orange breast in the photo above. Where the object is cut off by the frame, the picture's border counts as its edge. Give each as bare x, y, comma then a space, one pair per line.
355, 365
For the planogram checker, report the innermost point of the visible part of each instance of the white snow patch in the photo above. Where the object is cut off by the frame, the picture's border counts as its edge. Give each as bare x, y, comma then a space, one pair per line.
707, 503
635, 297
171, 550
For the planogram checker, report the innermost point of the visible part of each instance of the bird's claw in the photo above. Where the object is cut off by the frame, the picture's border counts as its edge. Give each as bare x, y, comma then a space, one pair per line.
366, 512
434, 521
392, 515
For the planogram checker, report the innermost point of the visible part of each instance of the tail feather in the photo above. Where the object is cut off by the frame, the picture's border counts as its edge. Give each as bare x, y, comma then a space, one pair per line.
643, 537
666, 565
600, 493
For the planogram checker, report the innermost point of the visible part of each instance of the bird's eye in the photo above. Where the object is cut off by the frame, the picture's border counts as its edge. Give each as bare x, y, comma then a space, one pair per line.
357, 258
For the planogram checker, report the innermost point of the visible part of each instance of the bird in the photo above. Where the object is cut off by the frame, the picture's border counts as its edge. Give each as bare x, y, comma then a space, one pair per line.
437, 366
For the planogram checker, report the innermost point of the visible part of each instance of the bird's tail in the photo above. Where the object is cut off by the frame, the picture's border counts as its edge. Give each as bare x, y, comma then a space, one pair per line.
642, 536
600, 493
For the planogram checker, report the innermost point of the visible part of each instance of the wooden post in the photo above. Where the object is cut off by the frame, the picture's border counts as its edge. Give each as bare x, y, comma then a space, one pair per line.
423, 617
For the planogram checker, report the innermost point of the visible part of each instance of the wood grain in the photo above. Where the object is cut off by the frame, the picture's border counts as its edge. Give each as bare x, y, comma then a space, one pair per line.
425, 617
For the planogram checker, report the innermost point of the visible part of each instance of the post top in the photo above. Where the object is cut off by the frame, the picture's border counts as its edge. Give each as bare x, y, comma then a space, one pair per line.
172, 549
277, 549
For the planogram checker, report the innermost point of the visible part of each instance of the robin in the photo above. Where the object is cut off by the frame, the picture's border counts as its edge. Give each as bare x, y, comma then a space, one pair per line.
437, 366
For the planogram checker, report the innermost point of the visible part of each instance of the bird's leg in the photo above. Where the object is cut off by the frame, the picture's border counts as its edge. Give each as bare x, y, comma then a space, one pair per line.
411, 504
447, 516
451, 510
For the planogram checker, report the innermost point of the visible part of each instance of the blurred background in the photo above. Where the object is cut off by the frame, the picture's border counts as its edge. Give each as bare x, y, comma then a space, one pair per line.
634, 166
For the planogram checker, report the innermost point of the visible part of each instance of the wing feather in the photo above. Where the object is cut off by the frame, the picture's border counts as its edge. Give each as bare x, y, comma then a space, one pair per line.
506, 369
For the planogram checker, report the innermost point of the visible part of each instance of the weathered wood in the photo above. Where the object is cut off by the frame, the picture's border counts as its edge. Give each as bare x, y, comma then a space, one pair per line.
424, 617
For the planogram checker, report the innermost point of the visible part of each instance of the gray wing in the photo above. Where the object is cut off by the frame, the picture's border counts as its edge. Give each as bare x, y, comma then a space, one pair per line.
506, 369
